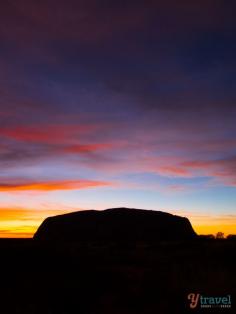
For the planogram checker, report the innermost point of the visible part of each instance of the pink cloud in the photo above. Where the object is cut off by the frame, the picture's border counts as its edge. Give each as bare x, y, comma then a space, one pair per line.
48, 134
86, 148
173, 171
221, 170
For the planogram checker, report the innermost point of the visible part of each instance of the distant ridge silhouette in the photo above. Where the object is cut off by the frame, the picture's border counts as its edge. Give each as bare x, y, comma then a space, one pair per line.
115, 225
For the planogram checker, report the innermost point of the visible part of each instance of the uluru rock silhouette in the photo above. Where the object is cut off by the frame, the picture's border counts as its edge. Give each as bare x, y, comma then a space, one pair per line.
114, 225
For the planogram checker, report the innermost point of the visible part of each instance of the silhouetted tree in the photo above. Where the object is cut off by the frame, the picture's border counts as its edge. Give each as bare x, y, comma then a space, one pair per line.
220, 235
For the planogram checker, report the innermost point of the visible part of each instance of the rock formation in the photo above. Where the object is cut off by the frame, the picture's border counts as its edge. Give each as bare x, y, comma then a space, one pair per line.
115, 225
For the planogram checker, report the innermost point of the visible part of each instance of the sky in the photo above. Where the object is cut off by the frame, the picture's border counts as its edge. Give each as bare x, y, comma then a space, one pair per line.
107, 104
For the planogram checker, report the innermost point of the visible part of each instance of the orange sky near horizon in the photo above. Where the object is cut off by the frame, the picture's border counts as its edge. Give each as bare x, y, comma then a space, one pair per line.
20, 223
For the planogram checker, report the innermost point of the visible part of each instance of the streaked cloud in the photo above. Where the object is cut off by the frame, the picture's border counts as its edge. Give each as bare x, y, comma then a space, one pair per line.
47, 134
16, 185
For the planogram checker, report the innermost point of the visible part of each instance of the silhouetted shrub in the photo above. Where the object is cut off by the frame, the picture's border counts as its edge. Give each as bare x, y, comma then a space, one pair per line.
231, 237
207, 236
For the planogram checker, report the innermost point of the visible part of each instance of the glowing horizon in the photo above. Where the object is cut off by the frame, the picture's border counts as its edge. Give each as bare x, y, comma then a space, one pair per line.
19, 223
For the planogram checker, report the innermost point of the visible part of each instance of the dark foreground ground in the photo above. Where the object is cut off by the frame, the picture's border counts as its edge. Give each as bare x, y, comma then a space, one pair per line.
114, 279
